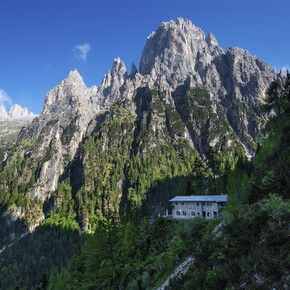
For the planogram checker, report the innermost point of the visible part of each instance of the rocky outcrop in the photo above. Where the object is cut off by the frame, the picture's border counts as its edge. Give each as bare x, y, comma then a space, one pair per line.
113, 82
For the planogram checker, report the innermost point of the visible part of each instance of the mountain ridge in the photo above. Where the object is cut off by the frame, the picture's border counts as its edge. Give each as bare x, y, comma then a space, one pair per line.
188, 96
16, 112
194, 62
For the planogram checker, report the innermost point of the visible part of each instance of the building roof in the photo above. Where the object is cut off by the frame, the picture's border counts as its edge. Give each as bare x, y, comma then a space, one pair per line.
207, 198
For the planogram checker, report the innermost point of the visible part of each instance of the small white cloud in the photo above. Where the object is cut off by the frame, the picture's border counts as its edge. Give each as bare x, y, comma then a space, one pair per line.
81, 51
4, 98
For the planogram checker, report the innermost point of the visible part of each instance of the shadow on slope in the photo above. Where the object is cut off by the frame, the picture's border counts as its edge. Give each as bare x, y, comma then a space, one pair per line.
30, 260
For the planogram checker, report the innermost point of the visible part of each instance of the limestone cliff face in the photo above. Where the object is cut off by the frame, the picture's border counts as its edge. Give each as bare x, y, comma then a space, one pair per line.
178, 50
178, 56
188, 88
59, 129
113, 82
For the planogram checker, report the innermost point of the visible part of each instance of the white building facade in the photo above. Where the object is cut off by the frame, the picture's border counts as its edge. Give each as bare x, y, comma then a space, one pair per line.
206, 206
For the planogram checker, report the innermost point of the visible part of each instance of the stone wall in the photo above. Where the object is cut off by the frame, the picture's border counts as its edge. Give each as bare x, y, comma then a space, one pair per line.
190, 209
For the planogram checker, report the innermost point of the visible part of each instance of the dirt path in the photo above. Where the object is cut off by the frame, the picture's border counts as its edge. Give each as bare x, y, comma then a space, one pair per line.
180, 270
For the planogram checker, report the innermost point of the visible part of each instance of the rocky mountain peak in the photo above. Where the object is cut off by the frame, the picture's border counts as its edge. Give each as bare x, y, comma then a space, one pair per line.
211, 40
133, 70
72, 87
16, 112
174, 50
74, 75
106, 80
119, 69
113, 81
3, 113
181, 22
74, 82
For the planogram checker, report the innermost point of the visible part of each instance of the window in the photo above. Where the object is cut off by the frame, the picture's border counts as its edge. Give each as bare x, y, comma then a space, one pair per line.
198, 213
178, 212
203, 203
193, 213
208, 214
176, 203
215, 214
183, 203
197, 204
184, 212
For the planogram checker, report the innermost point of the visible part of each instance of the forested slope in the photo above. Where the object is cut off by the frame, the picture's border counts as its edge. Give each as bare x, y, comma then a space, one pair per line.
248, 247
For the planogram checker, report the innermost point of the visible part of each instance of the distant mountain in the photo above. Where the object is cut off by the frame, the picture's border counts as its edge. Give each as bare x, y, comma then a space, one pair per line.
11, 124
16, 112
3, 113
190, 95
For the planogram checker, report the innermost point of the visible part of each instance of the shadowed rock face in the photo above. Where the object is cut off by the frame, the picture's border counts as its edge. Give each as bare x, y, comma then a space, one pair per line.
187, 88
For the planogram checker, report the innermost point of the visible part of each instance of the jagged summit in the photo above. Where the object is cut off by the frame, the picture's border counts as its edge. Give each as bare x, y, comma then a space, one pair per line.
119, 67
74, 78
74, 74
119, 73
133, 70
179, 50
180, 22
3, 113
113, 82
175, 49
16, 112
211, 40
71, 87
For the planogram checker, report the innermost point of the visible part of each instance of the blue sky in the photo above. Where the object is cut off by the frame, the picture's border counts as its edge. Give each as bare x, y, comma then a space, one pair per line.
42, 40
